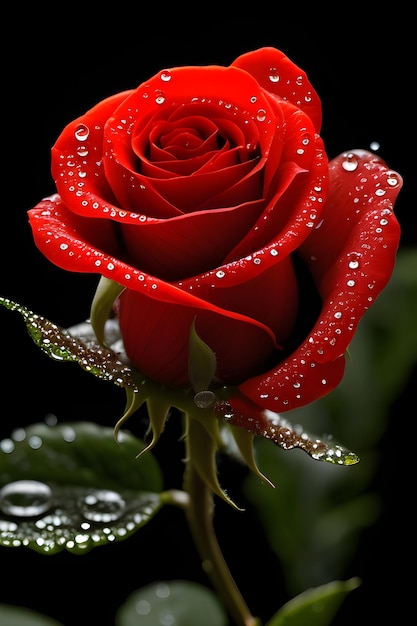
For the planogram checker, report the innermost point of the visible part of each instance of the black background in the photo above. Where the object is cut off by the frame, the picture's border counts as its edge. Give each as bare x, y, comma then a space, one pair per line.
364, 79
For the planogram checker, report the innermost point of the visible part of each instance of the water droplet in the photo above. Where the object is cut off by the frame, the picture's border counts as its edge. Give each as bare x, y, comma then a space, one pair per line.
143, 607
25, 498
103, 506
204, 399
35, 442
163, 590
350, 163
273, 75
82, 132
224, 409
7, 445
159, 97
261, 115
165, 75
392, 179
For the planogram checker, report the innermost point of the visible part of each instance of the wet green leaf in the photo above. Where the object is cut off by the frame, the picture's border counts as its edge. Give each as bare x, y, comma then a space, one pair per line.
71, 486
62, 345
315, 607
18, 616
173, 602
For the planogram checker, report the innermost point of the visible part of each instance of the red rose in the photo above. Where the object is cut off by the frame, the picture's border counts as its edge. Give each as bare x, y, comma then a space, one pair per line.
206, 192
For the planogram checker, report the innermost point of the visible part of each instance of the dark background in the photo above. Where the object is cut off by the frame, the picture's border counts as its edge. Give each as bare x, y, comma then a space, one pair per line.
50, 77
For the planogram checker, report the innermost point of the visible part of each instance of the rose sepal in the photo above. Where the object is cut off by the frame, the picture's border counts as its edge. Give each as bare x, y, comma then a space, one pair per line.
101, 307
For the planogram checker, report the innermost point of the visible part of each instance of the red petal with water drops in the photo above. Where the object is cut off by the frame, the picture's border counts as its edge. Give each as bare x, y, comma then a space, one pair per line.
75, 243
226, 95
156, 335
77, 165
296, 191
276, 73
351, 256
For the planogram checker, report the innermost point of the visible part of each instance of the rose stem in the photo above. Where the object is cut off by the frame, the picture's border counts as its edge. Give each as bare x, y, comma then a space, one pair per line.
200, 512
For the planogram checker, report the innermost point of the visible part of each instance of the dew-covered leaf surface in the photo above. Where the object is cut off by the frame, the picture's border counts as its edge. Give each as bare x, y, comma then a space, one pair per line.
173, 602
83, 348
71, 486
11, 615
315, 607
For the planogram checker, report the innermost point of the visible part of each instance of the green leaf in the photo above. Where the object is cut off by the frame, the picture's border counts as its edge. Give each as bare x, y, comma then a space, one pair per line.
71, 486
315, 607
61, 345
174, 602
18, 616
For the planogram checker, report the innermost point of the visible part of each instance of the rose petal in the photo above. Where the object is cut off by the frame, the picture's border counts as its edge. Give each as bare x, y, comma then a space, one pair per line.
68, 240
276, 73
77, 162
156, 335
190, 244
293, 211
359, 181
350, 272
268, 294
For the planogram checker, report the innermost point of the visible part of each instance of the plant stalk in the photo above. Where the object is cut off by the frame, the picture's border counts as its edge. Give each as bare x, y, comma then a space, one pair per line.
200, 513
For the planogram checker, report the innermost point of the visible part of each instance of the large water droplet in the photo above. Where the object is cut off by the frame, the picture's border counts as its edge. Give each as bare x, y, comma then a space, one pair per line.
81, 132
261, 115
25, 498
103, 506
273, 75
204, 399
350, 163
159, 97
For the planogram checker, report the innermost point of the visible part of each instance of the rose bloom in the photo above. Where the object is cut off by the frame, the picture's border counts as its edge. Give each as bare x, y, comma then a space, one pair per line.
206, 192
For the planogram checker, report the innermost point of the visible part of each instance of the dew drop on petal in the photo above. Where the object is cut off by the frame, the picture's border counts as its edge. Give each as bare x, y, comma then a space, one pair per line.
159, 97
350, 163
82, 132
82, 151
273, 75
392, 179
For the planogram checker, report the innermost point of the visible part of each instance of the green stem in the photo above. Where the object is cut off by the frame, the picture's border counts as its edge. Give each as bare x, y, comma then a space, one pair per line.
200, 513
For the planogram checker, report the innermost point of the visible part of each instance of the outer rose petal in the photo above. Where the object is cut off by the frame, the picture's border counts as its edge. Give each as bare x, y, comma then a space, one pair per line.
243, 334
156, 334
77, 153
276, 73
68, 240
355, 259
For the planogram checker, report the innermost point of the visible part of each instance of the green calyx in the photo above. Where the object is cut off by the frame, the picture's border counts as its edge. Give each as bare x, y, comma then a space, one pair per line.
202, 362
101, 307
